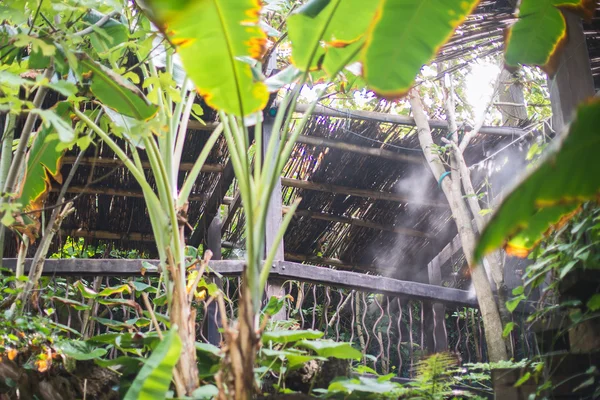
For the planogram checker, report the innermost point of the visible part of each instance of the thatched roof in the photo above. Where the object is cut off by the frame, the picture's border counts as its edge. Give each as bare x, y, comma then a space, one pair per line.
109, 208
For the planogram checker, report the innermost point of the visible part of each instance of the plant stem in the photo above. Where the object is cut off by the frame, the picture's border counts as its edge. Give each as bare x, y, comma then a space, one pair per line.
5, 161
19, 157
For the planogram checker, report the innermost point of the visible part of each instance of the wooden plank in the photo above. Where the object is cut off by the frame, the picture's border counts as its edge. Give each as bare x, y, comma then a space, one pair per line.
105, 191
359, 222
273, 223
371, 194
438, 310
233, 207
403, 120
211, 208
372, 283
363, 150
115, 162
213, 323
283, 270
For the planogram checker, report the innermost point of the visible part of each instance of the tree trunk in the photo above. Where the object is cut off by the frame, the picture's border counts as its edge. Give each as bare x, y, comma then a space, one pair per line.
483, 290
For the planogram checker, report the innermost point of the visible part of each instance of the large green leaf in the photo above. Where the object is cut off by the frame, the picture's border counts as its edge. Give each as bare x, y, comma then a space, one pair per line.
547, 198
286, 336
541, 31
211, 36
154, 378
330, 348
80, 350
110, 35
44, 160
114, 91
404, 36
323, 26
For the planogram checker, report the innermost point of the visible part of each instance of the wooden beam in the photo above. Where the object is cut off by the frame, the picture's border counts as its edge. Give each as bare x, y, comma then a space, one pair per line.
233, 207
213, 318
106, 235
199, 126
438, 310
115, 162
212, 205
403, 120
273, 218
284, 270
358, 222
102, 191
363, 150
372, 194
334, 262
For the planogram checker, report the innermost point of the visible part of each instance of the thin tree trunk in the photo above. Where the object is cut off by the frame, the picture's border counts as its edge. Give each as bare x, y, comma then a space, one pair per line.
483, 290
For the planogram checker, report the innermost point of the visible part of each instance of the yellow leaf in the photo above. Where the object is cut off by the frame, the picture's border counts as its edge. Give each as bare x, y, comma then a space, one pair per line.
12, 354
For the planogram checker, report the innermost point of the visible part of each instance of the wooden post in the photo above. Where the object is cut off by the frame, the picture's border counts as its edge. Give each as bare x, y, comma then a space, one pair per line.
573, 81
274, 213
213, 318
440, 336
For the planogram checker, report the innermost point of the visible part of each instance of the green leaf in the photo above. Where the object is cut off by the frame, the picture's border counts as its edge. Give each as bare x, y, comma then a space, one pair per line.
365, 385
518, 290
508, 328
65, 88
109, 36
208, 348
552, 193
541, 31
405, 35
321, 27
211, 36
80, 350
124, 364
154, 378
593, 303
511, 305
73, 303
330, 348
523, 379
584, 384
43, 159
85, 291
109, 291
205, 392
290, 336
114, 91
282, 78
143, 287
274, 305
567, 268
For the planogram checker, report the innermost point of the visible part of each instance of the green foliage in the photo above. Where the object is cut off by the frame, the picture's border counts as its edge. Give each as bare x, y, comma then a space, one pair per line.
405, 35
211, 38
114, 91
552, 193
154, 378
541, 31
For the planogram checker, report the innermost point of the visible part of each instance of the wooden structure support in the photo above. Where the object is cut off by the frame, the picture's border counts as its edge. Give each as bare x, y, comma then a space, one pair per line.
213, 323
403, 120
573, 81
283, 270
273, 223
213, 203
362, 150
358, 222
107, 191
115, 162
349, 191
